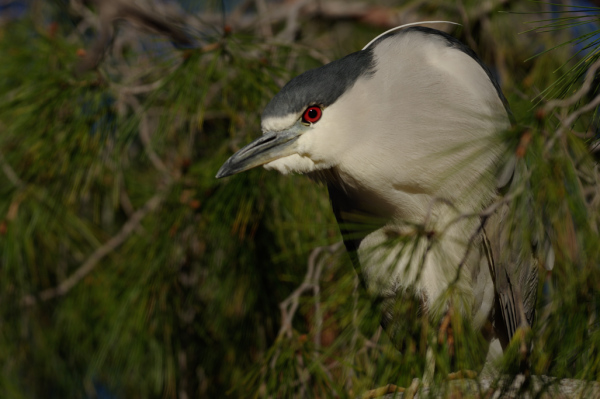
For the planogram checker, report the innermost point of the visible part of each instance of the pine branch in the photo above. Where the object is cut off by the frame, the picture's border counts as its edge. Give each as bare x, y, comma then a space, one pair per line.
10, 172
144, 133
569, 120
290, 305
110, 11
92, 261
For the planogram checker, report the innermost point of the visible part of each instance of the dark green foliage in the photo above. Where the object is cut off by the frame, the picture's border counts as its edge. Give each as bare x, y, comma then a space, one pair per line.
126, 266
177, 301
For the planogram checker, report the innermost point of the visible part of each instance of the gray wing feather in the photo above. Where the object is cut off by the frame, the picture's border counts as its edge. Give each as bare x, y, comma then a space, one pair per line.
515, 276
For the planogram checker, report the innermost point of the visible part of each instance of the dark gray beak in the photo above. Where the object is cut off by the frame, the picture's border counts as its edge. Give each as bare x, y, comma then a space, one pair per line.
267, 148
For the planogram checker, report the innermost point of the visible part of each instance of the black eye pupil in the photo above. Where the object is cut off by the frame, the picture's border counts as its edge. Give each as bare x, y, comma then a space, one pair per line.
312, 113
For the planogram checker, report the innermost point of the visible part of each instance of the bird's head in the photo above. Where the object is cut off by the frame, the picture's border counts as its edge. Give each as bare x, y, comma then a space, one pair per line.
300, 123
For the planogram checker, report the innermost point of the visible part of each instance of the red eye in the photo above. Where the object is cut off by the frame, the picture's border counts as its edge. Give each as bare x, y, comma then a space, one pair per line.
312, 114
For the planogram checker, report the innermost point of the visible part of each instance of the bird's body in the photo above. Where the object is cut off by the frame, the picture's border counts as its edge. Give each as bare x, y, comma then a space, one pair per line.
404, 134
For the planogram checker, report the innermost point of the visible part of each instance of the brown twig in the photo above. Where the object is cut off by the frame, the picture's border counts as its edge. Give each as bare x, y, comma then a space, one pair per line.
100, 253
291, 23
111, 10
382, 391
141, 89
569, 120
264, 29
487, 212
585, 88
10, 173
290, 305
144, 133
355, 333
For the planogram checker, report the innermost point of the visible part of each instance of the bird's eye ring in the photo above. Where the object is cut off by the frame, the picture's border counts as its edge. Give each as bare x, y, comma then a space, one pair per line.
312, 114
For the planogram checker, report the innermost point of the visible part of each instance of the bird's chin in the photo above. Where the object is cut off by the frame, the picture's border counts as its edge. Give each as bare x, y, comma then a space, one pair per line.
292, 164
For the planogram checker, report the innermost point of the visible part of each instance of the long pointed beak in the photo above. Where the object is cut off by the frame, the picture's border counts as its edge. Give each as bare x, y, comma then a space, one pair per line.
267, 148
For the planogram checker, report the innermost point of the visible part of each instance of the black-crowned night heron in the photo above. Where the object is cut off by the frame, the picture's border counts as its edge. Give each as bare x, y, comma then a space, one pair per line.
405, 133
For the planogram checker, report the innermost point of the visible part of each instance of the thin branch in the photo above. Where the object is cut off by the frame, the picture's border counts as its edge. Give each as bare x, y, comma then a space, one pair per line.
263, 26
109, 246
143, 18
331, 11
569, 120
318, 311
143, 88
144, 132
355, 333
125, 201
433, 202
154, 158
291, 23
10, 172
472, 238
289, 306
490, 209
585, 88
